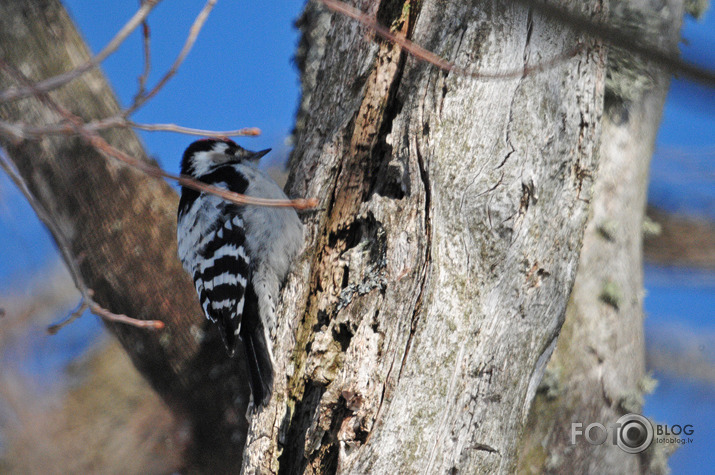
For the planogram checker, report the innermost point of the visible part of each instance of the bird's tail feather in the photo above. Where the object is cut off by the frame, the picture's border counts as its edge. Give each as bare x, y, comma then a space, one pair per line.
260, 365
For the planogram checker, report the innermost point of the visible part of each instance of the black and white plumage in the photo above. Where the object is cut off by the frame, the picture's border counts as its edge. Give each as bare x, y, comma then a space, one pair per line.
237, 255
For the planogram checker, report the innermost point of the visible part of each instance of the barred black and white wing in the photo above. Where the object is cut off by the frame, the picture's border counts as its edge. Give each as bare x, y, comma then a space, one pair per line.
221, 274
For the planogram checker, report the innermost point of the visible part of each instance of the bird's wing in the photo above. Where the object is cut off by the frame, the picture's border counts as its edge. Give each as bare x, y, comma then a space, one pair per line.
222, 275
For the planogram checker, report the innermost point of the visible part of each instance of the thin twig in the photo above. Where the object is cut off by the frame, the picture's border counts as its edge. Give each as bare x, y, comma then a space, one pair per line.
632, 42
74, 315
429, 57
121, 318
24, 131
62, 243
87, 302
190, 40
56, 81
64, 247
609, 34
146, 43
105, 148
248, 131
370, 22
21, 130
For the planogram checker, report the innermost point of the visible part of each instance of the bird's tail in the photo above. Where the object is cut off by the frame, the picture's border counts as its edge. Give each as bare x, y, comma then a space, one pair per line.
260, 364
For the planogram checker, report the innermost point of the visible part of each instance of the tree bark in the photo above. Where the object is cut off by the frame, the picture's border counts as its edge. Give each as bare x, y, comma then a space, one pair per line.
597, 373
121, 229
419, 321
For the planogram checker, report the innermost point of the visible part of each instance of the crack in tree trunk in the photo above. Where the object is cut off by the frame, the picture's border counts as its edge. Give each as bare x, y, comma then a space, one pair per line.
355, 179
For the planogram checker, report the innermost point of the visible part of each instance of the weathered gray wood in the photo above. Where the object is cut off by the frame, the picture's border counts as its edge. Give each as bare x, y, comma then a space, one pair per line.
121, 228
436, 278
597, 373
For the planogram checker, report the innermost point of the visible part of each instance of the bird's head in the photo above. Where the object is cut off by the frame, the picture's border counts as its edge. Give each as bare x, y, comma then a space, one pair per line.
203, 155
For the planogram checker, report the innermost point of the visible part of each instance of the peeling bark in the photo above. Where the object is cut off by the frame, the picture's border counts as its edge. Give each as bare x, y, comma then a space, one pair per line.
436, 278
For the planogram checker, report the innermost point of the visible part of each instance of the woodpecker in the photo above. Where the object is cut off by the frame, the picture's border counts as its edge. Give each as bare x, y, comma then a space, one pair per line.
237, 255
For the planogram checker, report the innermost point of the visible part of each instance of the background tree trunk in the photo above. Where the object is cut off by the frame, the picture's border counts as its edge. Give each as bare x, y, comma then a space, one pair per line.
420, 319
121, 229
597, 373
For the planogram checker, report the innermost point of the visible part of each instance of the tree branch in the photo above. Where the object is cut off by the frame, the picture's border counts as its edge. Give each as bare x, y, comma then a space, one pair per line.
631, 42
21, 130
612, 35
61, 79
63, 245
106, 149
188, 44
246, 131
429, 57
146, 46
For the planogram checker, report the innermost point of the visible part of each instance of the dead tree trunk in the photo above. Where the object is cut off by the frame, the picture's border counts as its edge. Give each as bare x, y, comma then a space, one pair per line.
597, 373
436, 277
120, 228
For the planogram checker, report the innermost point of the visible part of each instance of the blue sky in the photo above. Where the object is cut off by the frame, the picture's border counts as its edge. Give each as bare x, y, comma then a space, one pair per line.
240, 74
683, 167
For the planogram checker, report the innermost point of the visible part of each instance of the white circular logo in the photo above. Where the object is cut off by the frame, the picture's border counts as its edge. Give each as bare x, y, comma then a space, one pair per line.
635, 433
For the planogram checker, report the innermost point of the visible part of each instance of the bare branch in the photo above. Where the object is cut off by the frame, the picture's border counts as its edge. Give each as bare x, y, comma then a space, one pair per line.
65, 249
121, 318
628, 41
74, 315
21, 130
89, 134
61, 79
248, 131
190, 40
611, 35
146, 35
429, 57
24, 131
87, 302
105, 148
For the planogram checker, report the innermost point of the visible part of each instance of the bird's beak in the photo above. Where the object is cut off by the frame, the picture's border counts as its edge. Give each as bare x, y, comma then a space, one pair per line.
257, 155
